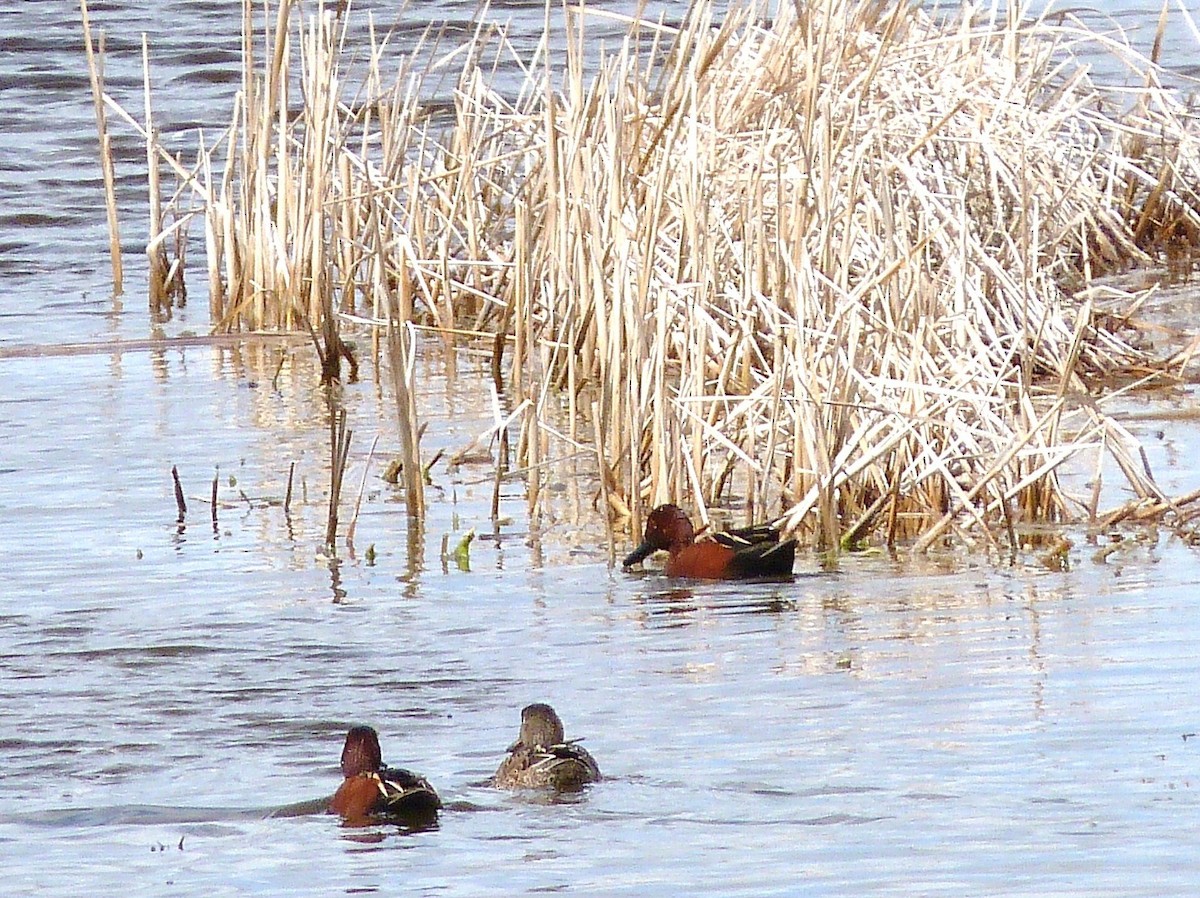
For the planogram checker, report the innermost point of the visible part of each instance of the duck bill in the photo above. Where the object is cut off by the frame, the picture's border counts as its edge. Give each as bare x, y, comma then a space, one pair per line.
641, 553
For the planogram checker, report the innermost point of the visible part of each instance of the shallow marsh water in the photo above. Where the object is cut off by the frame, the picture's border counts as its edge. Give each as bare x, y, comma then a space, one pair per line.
955, 727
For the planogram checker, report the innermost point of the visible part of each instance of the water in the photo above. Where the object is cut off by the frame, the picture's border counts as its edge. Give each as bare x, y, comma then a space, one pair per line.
951, 727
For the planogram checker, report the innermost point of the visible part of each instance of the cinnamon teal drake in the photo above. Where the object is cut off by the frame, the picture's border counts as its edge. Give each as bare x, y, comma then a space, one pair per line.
542, 759
732, 554
372, 793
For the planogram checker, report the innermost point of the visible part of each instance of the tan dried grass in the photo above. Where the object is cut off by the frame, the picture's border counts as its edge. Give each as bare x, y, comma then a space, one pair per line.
835, 266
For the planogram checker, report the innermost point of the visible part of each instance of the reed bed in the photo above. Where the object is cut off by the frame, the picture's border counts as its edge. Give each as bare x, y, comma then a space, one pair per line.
834, 263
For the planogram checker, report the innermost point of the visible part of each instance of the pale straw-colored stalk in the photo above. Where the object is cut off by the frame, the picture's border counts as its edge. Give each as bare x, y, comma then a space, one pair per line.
95, 60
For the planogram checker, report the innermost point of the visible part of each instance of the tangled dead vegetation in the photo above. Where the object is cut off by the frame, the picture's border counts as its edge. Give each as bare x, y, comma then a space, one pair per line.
834, 262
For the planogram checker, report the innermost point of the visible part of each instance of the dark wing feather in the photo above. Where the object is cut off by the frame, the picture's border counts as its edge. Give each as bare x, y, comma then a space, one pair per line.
569, 766
747, 536
774, 559
565, 767
757, 551
405, 794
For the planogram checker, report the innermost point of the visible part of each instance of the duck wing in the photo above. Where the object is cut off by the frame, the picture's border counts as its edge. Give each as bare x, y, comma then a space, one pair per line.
568, 766
742, 537
564, 767
405, 794
764, 559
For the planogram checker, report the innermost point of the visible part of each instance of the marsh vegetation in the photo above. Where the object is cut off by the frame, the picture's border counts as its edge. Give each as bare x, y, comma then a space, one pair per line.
838, 264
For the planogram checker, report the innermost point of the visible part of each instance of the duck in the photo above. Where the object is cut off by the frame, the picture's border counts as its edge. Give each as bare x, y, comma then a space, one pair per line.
756, 551
542, 758
372, 792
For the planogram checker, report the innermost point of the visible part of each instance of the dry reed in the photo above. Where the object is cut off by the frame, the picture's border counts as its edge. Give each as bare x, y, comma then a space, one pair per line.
834, 261
339, 453
180, 503
95, 60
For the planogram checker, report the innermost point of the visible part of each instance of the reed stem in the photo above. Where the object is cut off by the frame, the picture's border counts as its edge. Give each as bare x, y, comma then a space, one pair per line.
95, 62
339, 453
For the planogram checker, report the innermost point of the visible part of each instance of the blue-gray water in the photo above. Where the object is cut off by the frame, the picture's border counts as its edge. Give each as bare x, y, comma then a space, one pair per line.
954, 728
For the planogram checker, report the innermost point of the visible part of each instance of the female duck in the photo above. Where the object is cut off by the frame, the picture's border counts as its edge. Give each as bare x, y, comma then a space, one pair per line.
372, 792
542, 759
734, 554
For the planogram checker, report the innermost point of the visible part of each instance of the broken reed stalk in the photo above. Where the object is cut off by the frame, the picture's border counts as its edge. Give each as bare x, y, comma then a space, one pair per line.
499, 433
216, 477
339, 453
605, 497
499, 436
157, 253
180, 504
362, 488
287, 498
497, 482
95, 61
402, 360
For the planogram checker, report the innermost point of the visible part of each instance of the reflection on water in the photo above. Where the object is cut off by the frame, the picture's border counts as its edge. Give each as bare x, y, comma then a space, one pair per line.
173, 700
672, 599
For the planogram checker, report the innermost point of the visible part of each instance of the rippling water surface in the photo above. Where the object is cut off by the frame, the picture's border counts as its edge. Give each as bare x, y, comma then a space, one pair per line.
172, 696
